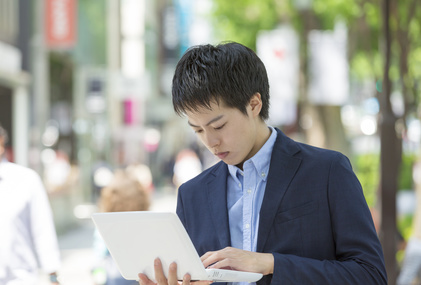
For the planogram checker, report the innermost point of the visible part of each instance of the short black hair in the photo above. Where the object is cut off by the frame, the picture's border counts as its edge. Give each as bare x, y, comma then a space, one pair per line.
228, 73
4, 135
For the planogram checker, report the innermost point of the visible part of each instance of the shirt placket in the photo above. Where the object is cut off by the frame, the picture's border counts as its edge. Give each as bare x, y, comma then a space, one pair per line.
248, 193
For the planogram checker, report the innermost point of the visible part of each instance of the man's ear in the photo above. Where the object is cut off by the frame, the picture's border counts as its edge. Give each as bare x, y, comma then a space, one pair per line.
256, 104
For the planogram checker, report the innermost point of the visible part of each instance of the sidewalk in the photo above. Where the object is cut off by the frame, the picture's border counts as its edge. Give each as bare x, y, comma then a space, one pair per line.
76, 246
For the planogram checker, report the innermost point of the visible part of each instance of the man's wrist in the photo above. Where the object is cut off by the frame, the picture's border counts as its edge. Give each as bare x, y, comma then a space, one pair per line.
269, 262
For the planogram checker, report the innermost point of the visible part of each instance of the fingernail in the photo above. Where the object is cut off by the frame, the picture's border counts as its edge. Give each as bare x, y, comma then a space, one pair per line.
157, 261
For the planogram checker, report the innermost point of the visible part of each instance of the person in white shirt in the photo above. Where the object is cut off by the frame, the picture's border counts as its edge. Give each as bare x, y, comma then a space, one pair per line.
28, 240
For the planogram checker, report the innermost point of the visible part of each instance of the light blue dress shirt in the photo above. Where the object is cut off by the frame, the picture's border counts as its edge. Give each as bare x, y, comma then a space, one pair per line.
246, 189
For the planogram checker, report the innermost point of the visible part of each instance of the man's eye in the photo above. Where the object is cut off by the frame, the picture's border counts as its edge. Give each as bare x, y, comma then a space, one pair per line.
218, 128
198, 131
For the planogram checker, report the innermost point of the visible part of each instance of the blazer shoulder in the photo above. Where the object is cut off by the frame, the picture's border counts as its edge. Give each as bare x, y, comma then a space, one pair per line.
205, 176
306, 151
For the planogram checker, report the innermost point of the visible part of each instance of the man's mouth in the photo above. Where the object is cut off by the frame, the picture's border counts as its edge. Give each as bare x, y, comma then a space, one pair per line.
222, 155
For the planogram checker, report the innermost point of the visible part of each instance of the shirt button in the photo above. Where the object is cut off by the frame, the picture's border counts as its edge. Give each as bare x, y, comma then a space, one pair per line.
247, 226
263, 174
239, 185
249, 191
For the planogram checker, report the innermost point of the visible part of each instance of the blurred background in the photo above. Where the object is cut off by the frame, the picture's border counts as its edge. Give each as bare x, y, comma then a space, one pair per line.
85, 89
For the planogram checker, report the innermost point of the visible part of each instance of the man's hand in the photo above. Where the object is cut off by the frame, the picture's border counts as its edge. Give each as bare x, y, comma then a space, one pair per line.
172, 276
237, 259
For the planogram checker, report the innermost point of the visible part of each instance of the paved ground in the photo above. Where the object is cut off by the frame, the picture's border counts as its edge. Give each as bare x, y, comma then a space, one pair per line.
76, 247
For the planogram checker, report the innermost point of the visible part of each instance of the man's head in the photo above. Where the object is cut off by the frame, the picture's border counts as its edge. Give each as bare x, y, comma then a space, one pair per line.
3, 140
229, 74
224, 92
124, 193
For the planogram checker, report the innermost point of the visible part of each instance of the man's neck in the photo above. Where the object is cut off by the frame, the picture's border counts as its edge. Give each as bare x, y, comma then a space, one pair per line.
263, 134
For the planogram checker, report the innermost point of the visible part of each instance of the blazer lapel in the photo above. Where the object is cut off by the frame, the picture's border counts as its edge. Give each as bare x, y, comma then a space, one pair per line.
217, 197
283, 167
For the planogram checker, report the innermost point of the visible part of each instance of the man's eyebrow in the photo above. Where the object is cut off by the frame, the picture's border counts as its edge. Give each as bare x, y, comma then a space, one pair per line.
210, 122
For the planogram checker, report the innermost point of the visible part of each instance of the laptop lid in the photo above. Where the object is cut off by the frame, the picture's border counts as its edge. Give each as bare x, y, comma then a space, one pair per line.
135, 239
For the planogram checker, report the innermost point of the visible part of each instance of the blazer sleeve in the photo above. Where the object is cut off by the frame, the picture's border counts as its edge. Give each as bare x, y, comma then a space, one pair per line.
358, 254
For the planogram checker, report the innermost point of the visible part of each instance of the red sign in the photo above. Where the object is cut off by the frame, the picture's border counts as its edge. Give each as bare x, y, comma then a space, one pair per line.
60, 23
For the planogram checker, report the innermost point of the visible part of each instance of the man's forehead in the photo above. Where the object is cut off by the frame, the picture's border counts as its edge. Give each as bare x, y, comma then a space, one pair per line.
206, 121
203, 109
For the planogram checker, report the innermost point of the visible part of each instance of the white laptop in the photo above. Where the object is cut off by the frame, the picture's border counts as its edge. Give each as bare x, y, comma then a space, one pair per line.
135, 239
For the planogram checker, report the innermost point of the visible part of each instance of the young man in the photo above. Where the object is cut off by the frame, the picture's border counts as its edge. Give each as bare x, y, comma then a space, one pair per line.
293, 212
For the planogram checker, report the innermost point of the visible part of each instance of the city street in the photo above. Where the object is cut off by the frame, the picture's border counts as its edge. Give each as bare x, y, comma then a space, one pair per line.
76, 246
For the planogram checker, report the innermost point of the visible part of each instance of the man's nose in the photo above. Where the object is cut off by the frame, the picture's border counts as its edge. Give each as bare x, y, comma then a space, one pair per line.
211, 140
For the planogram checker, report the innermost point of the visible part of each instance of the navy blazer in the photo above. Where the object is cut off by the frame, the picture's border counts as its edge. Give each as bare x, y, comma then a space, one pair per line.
314, 218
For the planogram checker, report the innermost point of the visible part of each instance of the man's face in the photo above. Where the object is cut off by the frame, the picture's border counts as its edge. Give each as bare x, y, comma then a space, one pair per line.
2, 147
228, 133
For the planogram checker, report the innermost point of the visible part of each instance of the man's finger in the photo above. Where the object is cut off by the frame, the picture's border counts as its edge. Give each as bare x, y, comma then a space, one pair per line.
144, 280
186, 279
159, 272
172, 274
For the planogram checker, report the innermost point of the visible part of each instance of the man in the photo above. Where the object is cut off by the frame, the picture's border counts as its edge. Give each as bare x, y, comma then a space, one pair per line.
28, 239
293, 212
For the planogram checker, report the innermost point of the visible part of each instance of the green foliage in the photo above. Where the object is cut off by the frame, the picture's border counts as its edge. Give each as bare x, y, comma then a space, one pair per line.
371, 14
241, 20
405, 226
329, 11
367, 169
415, 56
405, 179
363, 66
415, 53
363, 19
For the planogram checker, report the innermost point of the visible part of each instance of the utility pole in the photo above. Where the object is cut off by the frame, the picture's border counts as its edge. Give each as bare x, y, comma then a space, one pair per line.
390, 162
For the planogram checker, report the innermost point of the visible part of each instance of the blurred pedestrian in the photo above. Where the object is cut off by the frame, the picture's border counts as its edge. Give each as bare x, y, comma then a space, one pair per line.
143, 174
124, 193
410, 272
293, 212
28, 240
187, 165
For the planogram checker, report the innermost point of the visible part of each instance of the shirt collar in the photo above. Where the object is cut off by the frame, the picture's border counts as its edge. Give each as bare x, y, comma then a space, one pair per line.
261, 160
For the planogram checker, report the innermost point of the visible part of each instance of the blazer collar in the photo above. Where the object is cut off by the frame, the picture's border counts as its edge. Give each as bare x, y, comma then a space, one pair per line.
283, 166
217, 197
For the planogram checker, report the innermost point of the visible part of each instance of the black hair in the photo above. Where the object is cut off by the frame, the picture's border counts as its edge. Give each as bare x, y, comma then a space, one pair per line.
228, 73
